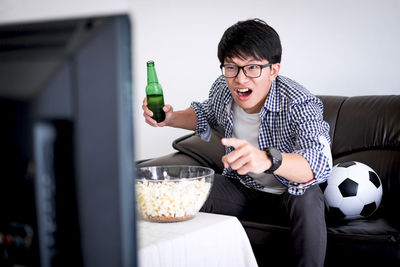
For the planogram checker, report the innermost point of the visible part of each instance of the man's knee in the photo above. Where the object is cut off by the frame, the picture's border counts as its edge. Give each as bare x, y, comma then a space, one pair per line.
311, 203
225, 198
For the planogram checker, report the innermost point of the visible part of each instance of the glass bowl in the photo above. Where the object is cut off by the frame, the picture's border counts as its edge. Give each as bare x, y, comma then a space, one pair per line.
172, 193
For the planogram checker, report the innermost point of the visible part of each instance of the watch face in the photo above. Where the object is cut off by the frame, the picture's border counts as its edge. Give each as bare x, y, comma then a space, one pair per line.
275, 153
276, 158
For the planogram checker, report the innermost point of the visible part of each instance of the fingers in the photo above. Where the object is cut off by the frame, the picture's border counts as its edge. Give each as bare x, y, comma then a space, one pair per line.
234, 142
167, 108
244, 169
245, 158
234, 156
239, 157
241, 165
150, 121
147, 114
146, 110
168, 114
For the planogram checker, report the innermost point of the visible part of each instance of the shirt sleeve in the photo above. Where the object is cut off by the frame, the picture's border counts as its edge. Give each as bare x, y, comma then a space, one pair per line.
203, 128
312, 141
206, 112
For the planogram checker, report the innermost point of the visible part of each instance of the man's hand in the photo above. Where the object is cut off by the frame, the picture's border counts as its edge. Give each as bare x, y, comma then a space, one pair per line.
245, 158
147, 114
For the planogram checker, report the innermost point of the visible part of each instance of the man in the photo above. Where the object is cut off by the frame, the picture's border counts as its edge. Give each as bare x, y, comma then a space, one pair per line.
277, 144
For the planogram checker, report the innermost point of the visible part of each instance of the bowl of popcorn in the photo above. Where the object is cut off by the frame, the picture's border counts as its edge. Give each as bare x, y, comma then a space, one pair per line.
172, 193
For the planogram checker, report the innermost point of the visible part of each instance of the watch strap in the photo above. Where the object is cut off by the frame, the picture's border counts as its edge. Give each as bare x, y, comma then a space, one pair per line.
276, 158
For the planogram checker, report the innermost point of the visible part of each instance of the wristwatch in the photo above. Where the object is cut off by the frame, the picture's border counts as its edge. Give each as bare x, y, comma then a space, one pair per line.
276, 158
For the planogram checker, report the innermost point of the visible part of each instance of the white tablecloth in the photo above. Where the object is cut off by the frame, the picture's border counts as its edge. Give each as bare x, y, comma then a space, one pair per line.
206, 240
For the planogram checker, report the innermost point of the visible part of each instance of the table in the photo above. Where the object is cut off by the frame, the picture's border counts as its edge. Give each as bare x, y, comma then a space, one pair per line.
205, 240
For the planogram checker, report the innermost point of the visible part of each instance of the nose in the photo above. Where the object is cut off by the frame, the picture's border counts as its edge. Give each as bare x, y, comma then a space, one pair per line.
241, 77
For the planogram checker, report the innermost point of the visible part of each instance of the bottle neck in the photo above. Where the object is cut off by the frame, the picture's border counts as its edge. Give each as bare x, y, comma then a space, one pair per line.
151, 74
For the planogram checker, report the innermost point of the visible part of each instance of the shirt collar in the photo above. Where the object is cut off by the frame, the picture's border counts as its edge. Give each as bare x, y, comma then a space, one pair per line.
273, 103
228, 100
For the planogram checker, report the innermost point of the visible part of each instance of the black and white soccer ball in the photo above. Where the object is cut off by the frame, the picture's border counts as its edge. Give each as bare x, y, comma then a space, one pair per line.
353, 190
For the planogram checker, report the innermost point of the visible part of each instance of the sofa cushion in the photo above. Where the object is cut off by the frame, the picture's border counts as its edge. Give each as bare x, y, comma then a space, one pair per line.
378, 229
358, 242
332, 105
170, 159
367, 122
368, 130
209, 154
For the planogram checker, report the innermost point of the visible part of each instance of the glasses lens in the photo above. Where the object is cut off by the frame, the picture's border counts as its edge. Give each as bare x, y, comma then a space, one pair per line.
252, 71
229, 71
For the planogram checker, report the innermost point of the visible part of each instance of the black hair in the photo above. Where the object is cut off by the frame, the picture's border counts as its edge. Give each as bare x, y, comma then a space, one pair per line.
253, 38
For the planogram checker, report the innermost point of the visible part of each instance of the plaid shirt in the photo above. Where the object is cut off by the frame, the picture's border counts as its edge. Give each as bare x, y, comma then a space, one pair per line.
291, 121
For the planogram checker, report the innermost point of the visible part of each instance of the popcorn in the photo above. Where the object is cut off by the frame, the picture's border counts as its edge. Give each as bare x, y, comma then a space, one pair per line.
171, 200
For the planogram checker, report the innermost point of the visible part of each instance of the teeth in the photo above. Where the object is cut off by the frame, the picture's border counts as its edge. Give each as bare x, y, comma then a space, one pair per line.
243, 90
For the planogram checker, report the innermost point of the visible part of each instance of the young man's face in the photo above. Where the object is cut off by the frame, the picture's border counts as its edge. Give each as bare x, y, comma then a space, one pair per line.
250, 93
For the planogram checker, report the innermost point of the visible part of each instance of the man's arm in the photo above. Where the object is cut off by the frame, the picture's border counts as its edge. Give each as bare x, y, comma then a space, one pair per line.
185, 119
247, 158
295, 168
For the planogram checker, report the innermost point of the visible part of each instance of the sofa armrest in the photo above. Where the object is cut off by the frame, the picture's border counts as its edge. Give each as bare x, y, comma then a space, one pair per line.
209, 154
192, 151
176, 158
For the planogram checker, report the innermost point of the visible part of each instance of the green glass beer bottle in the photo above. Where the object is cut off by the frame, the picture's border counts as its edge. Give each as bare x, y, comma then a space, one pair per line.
154, 93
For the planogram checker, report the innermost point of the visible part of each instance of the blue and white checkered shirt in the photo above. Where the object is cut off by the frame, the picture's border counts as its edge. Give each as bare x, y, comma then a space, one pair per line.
291, 121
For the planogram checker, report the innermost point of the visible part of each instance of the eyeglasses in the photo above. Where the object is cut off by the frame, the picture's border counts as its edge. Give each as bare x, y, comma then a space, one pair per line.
251, 71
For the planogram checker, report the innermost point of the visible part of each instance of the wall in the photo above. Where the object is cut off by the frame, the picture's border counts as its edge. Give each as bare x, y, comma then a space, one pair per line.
331, 47
27, 10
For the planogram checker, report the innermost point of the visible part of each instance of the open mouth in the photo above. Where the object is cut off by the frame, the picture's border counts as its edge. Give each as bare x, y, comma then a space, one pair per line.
243, 92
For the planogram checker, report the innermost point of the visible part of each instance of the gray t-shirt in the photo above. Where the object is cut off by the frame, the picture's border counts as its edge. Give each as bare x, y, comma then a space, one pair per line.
247, 126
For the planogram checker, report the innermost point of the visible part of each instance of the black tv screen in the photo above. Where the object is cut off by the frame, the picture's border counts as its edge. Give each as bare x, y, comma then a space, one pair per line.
66, 143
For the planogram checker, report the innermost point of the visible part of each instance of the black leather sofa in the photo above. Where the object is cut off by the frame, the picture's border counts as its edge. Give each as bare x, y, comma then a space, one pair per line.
362, 128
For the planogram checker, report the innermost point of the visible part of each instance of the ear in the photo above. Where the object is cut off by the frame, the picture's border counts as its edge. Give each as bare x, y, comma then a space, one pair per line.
275, 70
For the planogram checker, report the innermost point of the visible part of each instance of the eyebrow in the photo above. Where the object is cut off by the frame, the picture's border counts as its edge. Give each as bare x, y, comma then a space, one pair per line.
247, 63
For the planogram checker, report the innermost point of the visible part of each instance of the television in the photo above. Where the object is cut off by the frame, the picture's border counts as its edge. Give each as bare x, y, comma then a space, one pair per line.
66, 143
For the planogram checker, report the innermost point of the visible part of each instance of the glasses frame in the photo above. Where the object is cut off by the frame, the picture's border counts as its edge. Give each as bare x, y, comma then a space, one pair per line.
244, 71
